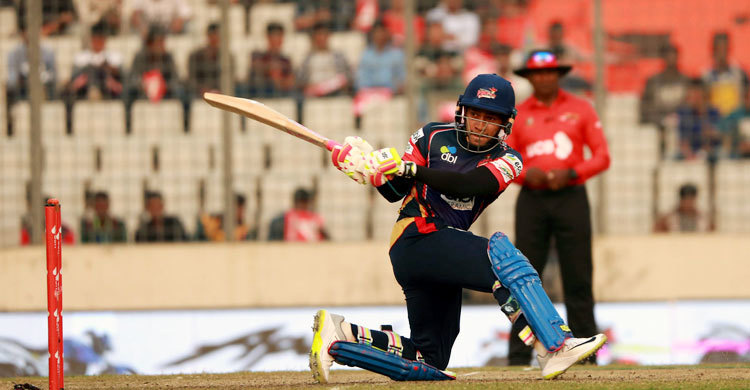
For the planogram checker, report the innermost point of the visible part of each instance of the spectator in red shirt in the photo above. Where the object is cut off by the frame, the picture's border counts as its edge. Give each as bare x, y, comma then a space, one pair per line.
550, 131
301, 223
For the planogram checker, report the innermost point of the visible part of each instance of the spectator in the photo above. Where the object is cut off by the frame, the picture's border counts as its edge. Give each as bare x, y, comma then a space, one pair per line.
211, 227
106, 12
514, 24
271, 72
439, 68
736, 129
337, 14
521, 86
698, 124
68, 237
461, 26
153, 74
57, 16
664, 91
393, 19
100, 226
726, 81
382, 65
204, 69
685, 217
18, 70
157, 227
300, 223
324, 72
565, 52
97, 73
171, 15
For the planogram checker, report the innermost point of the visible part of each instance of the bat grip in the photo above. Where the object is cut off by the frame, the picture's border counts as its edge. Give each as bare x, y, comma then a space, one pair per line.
330, 144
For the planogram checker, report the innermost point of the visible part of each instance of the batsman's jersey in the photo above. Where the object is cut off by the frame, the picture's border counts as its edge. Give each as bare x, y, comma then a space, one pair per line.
436, 146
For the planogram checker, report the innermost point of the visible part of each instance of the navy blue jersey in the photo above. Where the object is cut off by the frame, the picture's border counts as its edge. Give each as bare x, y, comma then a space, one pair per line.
436, 146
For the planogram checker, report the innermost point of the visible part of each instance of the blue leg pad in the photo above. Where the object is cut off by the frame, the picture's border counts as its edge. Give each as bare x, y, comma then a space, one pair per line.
515, 272
388, 364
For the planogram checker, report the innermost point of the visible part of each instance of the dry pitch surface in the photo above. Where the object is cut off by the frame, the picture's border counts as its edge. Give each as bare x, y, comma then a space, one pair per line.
723, 376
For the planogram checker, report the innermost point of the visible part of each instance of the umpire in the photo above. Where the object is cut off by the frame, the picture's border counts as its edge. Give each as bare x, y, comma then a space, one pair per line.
550, 132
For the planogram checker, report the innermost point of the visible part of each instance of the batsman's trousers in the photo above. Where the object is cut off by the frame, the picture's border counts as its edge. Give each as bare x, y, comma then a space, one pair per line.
565, 215
432, 269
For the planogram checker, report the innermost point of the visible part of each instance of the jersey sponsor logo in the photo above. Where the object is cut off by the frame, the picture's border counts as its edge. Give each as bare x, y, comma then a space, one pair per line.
409, 149
569, 117
502, 166
461, 204
560, 145
515, 162
417, 135
448, 154
486, 93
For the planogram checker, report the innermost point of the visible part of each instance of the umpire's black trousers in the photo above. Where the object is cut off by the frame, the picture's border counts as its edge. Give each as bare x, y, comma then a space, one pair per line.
565, 215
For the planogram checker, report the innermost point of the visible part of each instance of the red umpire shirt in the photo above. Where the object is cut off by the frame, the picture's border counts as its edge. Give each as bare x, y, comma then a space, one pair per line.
553, 137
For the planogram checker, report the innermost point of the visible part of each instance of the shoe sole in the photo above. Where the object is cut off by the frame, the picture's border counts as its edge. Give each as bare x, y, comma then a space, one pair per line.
582, 357
316, 366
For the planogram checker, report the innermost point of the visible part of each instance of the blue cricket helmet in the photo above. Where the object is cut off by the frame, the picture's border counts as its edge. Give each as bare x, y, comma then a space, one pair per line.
487, 92
490, 92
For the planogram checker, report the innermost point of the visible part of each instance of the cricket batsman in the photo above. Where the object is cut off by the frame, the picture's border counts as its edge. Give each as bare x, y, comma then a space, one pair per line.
448, 174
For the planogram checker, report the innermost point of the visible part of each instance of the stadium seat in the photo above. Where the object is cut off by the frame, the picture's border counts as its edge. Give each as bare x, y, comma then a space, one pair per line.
14, 174
206, 121
673, 174
386, 124
65, 48
154, 121
124, 155
332, 116
628, 200
276, 191
241, 50
98, 120
127, 45
344, 205
52, 120
501, 214
7, 22
180, 46
384, 215
261, 14
732, 189
622, 108
351, 44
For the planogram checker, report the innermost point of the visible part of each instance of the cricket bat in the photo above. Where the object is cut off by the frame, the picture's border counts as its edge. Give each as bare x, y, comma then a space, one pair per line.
264, 114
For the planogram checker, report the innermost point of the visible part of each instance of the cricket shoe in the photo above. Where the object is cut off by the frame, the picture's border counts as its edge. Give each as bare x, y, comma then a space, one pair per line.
326, 330
554, 364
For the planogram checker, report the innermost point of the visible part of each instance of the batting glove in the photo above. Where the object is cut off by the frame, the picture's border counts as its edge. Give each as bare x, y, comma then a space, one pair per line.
349, 158
383, 164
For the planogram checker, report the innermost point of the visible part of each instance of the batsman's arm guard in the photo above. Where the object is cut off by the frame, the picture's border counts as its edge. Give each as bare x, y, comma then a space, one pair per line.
388, 364
515, 272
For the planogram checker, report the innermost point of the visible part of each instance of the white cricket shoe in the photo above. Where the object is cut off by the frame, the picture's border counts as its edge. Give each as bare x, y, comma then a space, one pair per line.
326, 330
573, 351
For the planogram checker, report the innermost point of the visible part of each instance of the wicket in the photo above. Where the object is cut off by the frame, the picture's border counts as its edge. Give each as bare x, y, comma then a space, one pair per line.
53, 235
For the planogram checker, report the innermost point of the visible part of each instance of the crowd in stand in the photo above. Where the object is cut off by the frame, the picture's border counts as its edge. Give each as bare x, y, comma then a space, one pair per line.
456, 40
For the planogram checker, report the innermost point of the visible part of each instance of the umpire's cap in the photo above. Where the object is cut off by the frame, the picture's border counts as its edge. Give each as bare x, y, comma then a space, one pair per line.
490, 92
542, 60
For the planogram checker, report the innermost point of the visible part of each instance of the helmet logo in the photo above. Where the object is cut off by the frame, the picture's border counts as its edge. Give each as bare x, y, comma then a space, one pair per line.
486, 93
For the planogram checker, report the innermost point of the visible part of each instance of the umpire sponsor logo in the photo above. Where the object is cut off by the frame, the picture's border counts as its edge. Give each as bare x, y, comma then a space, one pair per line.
461, 204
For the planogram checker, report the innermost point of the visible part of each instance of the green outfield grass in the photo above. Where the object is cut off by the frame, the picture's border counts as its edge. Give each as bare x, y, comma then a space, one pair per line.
720, 376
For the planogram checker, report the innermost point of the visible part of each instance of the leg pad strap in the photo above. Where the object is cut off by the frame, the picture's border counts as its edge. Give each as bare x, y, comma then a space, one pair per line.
388, 364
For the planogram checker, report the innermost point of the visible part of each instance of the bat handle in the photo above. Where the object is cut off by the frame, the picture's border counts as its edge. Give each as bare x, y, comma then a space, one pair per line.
330, 144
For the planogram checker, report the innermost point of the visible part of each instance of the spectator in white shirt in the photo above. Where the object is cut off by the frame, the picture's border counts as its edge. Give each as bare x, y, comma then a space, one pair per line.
172, 15
461, 26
